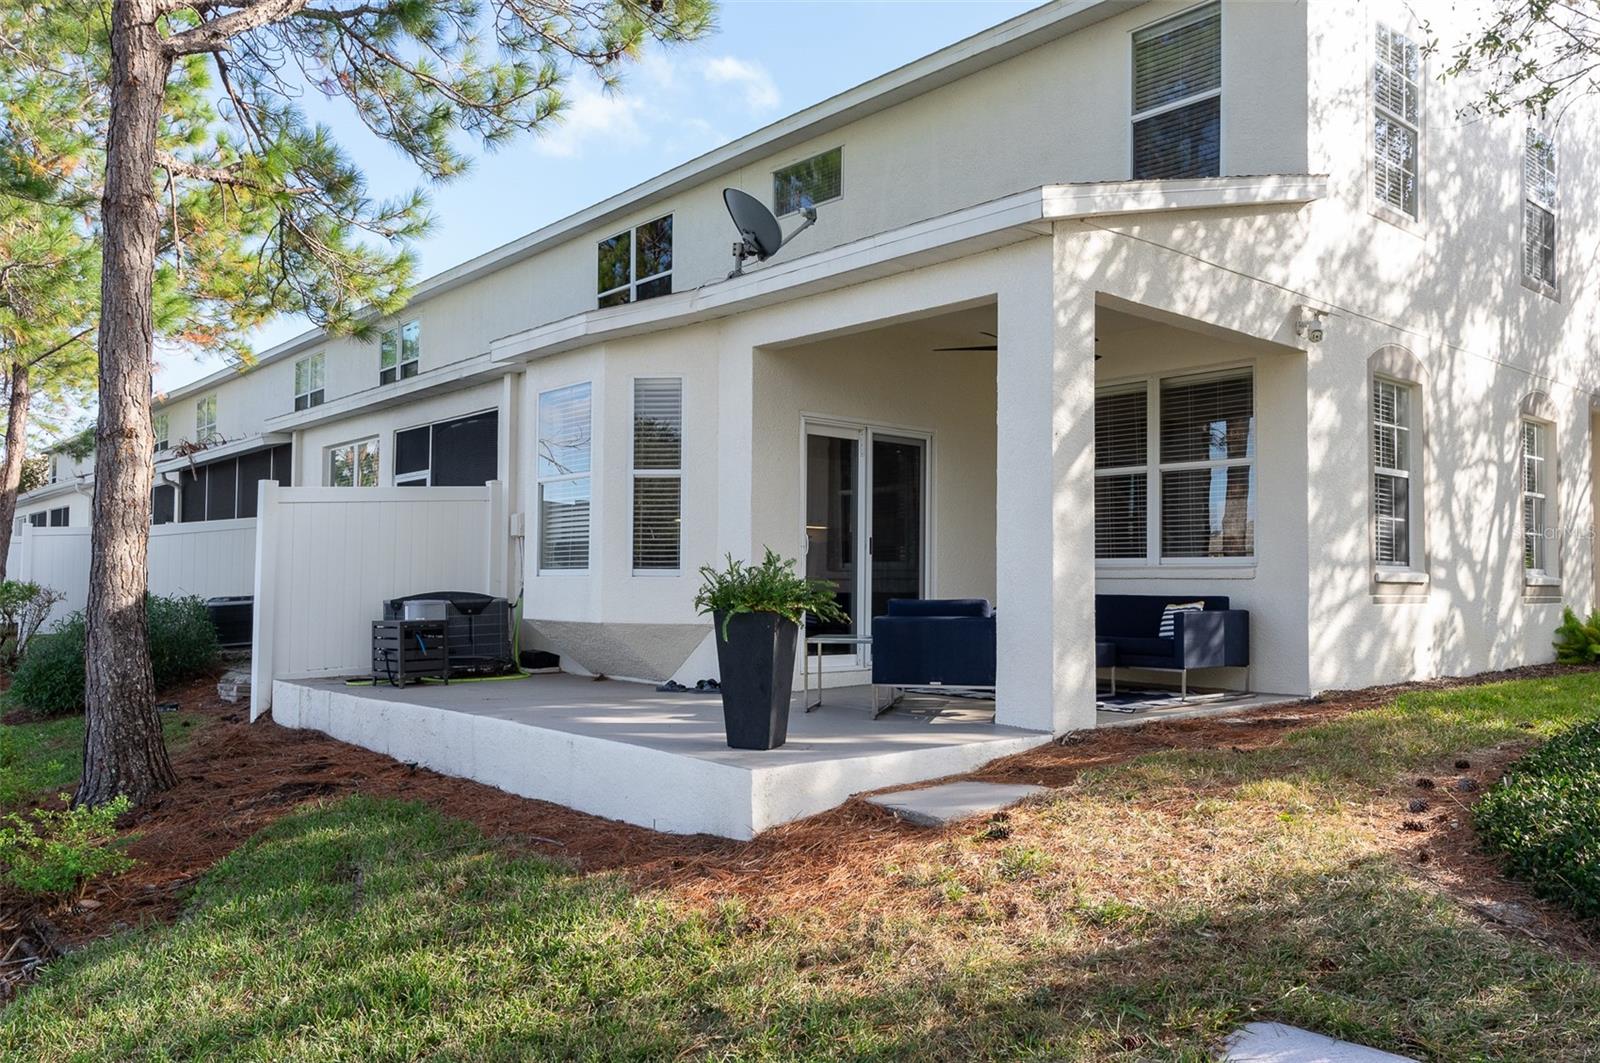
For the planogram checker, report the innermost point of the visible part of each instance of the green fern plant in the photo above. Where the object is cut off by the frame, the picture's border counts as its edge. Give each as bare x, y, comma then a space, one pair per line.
773, 586
1578, 640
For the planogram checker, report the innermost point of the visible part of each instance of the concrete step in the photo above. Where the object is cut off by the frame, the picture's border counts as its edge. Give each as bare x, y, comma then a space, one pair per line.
937, 806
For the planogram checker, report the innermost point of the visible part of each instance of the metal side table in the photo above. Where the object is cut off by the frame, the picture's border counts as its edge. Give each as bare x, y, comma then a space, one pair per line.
817, 642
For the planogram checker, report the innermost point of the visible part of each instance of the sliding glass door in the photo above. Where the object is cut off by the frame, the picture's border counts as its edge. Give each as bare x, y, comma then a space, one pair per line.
866, 523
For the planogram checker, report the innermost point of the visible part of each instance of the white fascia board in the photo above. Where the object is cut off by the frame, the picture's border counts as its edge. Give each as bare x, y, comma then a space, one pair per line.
232, 448
995, 45
477, 369
984, 227
60, 487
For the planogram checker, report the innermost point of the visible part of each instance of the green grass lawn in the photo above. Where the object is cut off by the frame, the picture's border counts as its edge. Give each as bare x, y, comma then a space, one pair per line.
1139, 914
46, 756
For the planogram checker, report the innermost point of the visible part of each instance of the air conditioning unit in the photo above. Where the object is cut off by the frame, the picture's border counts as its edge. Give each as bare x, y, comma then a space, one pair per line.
478, 627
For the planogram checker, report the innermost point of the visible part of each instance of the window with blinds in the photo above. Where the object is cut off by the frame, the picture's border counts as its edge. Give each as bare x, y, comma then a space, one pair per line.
1207, 466
1396, 119
565, 450
205, 420
1535, 497
310, 376
657, 473
1188, 443
1539, 209
1391, 473
1177, 96
1121, 472
808, 182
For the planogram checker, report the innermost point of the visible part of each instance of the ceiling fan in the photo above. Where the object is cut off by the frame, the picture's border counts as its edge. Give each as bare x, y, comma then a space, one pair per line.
991, 346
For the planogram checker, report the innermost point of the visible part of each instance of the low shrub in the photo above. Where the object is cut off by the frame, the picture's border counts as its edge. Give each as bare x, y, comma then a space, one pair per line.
53, 852
1543, 817
183, 644
1578, 640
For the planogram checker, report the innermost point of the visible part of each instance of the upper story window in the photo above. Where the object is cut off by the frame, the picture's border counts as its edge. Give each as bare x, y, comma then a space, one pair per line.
657, 473
566, 447
636, 264
205, 419
161, 429
309, 377
1393, 485
1199, 429
1177, 96
55, 468
1539, 211
1396, 120
399, 353
353, 464
808, 182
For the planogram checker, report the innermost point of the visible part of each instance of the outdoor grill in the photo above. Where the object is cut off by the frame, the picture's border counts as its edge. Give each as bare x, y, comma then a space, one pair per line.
477, 626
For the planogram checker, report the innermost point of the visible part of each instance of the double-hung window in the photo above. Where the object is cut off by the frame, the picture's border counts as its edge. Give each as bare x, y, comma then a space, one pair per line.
1539, 210
1175, 468
636, 264
657, 473
1536, 498
1396, 120
353, 464
808, 182
566, 447
1177, 96
399, 353
205, 420
1392, 464
309, 377
160, 428
60, 517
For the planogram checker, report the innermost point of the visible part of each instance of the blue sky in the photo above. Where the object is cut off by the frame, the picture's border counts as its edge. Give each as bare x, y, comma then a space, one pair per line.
767, 59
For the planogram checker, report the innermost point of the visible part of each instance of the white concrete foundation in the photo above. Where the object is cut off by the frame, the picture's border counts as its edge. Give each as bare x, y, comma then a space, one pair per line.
623, 751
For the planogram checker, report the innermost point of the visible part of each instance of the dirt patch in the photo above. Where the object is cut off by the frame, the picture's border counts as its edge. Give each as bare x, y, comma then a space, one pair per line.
236, 778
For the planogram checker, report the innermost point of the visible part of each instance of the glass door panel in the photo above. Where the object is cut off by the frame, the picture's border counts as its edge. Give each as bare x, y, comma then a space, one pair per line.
832, 517
897, 520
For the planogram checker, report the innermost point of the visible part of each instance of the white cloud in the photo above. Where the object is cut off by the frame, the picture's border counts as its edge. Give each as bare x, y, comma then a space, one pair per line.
592, 114
760, 91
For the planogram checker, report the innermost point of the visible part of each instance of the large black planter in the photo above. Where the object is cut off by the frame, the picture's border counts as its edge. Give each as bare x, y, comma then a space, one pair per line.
757, 664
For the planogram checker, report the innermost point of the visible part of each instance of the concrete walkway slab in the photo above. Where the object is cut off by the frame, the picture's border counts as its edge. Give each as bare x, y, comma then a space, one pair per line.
937, 806
1273, 1042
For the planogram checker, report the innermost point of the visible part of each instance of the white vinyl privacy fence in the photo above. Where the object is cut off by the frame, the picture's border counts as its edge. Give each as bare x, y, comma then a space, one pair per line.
209, 559
328, 557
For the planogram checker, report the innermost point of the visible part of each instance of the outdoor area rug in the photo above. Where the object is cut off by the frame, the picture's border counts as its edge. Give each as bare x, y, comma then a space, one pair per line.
1144, 699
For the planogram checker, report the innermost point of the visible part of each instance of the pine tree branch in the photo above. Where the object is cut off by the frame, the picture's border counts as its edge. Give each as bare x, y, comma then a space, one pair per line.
217, 34
63, 345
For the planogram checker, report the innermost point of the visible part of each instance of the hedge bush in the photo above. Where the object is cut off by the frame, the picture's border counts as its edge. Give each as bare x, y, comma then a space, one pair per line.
51, 852
1577, 639
183, 644
1544, 818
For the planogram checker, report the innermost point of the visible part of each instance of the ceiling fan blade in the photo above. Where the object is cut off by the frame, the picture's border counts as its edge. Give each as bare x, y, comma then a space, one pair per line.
983, 347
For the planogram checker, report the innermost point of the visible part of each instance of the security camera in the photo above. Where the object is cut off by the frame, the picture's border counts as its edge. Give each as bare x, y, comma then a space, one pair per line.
1309, 324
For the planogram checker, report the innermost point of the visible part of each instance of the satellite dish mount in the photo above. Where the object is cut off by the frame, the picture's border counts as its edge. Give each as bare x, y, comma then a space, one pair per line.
760, 235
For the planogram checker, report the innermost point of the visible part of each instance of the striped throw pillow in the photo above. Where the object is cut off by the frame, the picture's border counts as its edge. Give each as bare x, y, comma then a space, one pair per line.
1168, 624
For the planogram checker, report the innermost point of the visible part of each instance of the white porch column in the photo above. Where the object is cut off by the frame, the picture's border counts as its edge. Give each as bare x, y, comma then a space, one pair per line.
1044, 530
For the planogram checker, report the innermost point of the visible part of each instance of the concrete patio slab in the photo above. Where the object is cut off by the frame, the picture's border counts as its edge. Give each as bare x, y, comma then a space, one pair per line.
1273, 1042
625, 751
938, 806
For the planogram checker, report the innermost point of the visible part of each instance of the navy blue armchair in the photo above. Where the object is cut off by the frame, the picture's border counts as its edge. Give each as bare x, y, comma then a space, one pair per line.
1130, 624
925, 642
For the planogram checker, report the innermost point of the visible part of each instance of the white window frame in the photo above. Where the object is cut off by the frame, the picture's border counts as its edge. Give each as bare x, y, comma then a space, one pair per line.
316, 374
1411, 472
1380, 207
1154, 467
541, 479
800, 162
397, 337
635, 474
160, 430
1549, 287
1542, 569
634, 280
1194, 13
205, 419
355, 446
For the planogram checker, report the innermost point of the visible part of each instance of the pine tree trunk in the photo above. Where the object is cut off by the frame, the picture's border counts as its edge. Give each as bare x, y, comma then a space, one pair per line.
123, 751
11, 464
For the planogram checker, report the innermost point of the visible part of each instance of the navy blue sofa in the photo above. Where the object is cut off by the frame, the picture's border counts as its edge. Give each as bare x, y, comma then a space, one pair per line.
1130, 624
934, 642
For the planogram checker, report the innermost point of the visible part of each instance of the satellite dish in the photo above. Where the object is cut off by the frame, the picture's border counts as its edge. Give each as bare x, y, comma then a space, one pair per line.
760, 235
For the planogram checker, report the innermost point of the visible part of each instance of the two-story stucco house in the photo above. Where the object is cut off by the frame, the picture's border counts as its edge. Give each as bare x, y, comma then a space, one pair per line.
1183, 299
